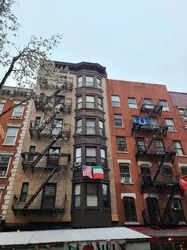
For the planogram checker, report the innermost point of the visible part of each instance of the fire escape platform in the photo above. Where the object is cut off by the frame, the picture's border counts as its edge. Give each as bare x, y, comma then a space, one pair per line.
147, 153
150, 129
151, 108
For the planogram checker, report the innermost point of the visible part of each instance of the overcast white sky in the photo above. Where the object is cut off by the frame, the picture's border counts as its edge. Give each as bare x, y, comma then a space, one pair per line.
137, 40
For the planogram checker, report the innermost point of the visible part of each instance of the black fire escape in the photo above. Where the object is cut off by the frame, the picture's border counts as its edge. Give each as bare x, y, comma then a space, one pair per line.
57, 133
153, 149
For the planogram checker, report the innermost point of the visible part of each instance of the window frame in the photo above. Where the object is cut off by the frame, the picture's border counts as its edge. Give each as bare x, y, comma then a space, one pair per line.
100, 102
77, 195
8, 164
116, 103
21, 112
184, 117
105, 196
79, 103
92, 127
86, 82
118, 138
131, 104
115, 118
158, 148
88, 102
1, 107
125, 174
94, 156
78, 127
78, 154
165, 108
79, 83
99, 85
101, 128
91, 194
171, 128
103, 159
182, 168
174, 142
15, 139
23, 194
130, 213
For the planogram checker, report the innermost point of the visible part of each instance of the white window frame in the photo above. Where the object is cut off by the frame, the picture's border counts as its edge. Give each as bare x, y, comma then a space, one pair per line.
176, 148
1, 107
78, 154
88, 82
79, 81
1, 172
125, 179
171, 126
121, 120
132, 103
14, 143
116, 101
165, 108
15, 111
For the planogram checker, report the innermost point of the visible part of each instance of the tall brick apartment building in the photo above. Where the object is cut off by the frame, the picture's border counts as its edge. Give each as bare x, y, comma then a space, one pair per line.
67, 129
149, 149
12, 132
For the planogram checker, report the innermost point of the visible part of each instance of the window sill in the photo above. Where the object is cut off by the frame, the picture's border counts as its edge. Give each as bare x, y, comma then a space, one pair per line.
166, 111
116, 106
131, 223
5, 144
130, 183
119, 127
15, 118
122, 152
133, 108
181, 155
173, 131
3, 177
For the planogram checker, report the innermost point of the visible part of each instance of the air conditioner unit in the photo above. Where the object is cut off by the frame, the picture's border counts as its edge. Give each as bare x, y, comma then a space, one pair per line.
126, 180
2, 173
77, 164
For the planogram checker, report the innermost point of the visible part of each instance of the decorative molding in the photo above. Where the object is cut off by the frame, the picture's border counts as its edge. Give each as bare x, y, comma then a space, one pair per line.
177, 196
7, 153
150, 196
133, 195
145, 162
14, 125
123, 161
182, 165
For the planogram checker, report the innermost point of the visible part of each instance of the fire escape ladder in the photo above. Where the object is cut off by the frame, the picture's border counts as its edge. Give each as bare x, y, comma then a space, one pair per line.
39, 189
159, 168
170, 199
153, 138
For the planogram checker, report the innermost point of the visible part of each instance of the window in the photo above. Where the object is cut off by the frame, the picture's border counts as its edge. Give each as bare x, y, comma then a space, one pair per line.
121, 144
49, 196
118, 121
90, 102
125, 173
91, 156
177, 213
31, 150
178, 147
37, 122
79, 82
90, 126
140, 143
99, 85
1, 107
91, 195
59, 102
159, 145
170, 123
101, 128
132, 103
79, 102
184, 170
11, 136
153, 121
24, 191
165, 105
57, 126
115, 101
18, 111
183, 113
89, 81
105, 195
100, 103
103, 157
146, 173
79, 126
78, 154
148, 103
77, 195
4, 163
129, 209
53, 158
167, 174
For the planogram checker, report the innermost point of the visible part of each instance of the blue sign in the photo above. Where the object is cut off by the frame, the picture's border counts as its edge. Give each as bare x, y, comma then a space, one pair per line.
141, 121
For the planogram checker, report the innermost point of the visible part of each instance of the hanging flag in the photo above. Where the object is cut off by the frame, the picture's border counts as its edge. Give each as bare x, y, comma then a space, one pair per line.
87, 171
98, 172
141, 121
183, 183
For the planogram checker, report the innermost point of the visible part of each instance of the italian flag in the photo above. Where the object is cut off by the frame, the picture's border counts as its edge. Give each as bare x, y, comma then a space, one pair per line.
98, 172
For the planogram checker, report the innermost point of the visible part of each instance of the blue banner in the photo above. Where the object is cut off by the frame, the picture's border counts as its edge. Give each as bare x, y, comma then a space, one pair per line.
141, 121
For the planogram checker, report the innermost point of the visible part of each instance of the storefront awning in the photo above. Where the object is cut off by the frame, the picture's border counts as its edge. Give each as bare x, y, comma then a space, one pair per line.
70, 235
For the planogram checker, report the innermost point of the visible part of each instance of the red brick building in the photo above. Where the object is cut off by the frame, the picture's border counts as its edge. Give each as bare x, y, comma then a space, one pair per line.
149, 148
12, 131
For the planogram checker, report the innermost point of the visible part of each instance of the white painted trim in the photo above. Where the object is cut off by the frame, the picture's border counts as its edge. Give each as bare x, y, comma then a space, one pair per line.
14, 125
133, 195
181, 107
177, 196
123, 161
6, 153
2, 186
167, 163
144, 162
150, 196
17, 102
182, 165
131, 223
2, 101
